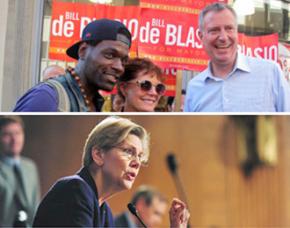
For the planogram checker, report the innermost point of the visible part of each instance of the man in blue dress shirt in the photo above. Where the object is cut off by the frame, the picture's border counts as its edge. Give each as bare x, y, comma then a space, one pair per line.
233, 82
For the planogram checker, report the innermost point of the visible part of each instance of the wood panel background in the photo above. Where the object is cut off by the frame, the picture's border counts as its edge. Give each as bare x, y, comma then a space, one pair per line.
219, 194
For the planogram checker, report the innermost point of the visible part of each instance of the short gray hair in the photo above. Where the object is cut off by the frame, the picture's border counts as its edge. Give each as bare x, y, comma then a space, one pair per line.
109, 133
215, 7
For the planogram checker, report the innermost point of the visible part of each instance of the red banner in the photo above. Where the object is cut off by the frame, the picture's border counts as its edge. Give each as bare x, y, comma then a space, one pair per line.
69, 19
265, 47
169, 39
170, 42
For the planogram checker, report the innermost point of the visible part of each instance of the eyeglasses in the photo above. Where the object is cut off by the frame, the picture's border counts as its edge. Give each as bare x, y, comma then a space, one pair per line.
131, 155
147, 86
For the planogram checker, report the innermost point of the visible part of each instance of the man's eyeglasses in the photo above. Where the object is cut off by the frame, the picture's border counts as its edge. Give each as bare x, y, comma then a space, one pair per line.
147, 86
131, 155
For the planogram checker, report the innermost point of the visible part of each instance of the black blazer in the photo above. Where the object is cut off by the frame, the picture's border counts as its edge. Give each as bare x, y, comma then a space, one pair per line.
73, 201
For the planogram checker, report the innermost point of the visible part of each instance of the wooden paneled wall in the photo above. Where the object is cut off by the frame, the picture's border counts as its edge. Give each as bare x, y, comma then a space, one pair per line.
219, 194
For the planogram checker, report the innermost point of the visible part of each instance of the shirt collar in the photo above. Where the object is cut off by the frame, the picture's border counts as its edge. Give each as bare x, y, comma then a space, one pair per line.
241, 64
207, 74
9, 160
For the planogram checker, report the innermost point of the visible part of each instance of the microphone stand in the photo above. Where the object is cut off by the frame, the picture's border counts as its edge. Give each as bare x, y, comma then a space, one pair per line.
179, 187
134, 211
172, 166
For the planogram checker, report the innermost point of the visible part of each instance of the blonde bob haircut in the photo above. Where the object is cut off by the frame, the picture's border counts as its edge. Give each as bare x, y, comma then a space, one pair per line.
109, 133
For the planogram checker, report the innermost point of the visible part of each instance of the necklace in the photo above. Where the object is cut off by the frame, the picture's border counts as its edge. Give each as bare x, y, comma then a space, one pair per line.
87, 98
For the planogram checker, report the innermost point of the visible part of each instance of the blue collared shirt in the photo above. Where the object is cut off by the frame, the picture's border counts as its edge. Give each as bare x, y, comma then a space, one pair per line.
254, 85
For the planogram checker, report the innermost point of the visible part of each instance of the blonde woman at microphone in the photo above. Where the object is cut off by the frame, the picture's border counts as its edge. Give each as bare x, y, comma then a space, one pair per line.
114, 151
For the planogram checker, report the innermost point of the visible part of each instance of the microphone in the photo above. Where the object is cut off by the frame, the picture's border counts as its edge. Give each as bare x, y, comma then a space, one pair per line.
134, 211
173, 166
171, 162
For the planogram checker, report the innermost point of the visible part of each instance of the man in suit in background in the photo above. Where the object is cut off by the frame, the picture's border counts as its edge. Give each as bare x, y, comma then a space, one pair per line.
151, 206
19, 183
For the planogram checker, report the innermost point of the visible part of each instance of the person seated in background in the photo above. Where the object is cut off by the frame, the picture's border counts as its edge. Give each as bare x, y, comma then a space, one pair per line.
151, 206
52, 71
113, 153
141, 86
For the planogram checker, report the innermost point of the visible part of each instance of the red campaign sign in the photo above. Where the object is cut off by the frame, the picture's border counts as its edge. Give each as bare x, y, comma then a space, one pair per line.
69, 19
265, 47
175, 43
169, 42
67, 22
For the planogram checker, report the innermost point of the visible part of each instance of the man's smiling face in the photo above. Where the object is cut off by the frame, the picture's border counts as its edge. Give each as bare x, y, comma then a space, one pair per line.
219, 36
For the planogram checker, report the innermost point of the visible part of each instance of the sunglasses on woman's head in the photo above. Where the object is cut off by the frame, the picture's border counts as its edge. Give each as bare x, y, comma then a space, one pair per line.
147, 86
